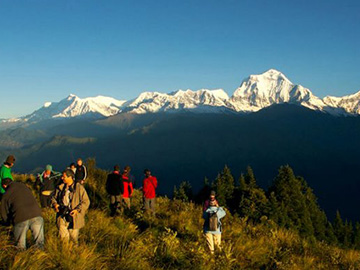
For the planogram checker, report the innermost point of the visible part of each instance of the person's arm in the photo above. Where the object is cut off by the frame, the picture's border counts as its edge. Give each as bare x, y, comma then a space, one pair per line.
205, 214
131, 189
155, 182
57, 178
85, 173
221, 213
84, 202
54, 199
206, 205
39, 179
145, 187
5, 211
7, 174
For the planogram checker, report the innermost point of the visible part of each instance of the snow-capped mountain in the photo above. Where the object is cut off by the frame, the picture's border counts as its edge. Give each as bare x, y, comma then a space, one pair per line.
255, 93
200, 101
350, 103
73, 106
272, 87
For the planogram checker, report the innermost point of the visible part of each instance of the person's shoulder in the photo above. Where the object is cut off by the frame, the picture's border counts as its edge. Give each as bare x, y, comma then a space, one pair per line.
80, 187
16, 184
60, 186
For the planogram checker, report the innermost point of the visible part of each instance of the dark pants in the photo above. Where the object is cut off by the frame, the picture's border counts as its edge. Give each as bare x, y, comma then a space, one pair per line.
36, 225
115, 201
45, 201
149, 205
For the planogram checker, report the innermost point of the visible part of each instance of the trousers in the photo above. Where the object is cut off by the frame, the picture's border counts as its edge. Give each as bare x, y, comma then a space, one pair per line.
213, 240
36, 225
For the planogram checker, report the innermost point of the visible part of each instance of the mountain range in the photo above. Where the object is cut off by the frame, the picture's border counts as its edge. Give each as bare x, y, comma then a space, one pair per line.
255, 93
187, 135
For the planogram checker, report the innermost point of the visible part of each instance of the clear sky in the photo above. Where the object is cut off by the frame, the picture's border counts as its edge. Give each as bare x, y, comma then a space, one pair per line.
120, 48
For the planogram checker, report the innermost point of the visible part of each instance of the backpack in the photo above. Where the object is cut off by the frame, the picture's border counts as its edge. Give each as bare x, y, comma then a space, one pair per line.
213, 221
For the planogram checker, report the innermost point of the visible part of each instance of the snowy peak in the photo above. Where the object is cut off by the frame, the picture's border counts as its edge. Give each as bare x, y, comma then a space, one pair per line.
255, 93
203, 100
73, 106
350, 103
271, 87
268, 83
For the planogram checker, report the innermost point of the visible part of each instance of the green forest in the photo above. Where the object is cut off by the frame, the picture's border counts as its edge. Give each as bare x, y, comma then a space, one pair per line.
282, 227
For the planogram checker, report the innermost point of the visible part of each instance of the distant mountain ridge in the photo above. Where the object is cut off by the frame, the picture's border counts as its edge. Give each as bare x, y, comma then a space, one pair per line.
255, 93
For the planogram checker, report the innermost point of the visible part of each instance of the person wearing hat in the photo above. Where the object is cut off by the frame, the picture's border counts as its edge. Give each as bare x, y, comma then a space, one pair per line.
47, 180
211, 199
212, 225
5, 171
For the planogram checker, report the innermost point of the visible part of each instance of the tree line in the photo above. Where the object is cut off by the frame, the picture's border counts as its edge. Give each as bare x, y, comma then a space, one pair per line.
289, 202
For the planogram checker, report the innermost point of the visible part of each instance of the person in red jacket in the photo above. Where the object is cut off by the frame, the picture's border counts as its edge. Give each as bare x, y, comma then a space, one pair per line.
127, 187
149, 186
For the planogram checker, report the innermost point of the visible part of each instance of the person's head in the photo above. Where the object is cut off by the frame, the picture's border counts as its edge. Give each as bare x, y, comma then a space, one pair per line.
116, 168
6, 182
48, 169
79, 162
147, 172
212, 195
127, 169
10, 160
68, 177
72, 165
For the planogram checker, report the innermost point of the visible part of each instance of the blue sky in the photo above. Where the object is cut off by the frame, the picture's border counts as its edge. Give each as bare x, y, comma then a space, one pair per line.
49, 49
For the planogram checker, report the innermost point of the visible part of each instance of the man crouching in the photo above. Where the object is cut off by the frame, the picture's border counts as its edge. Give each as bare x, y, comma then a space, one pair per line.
71, 202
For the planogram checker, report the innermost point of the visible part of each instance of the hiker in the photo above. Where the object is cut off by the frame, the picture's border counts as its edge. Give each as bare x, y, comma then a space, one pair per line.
71, 202
211, 198
47, 180
20, 208
127, 169
114, 187
72, 167
149, 187
212, 225
80, 172
5, 171
127, 187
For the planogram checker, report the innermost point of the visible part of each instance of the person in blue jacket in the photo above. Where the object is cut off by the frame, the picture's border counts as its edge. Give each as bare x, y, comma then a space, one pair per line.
213, 214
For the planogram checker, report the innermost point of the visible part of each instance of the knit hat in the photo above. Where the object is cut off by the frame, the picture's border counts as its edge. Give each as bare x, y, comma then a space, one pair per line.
117, 168
48, 168
212, 193
10, 159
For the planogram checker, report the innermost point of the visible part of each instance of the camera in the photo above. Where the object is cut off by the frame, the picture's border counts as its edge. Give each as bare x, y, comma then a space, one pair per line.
64, 212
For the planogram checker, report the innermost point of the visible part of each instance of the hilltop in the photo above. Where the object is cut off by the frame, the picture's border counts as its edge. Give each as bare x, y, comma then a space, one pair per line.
171, 240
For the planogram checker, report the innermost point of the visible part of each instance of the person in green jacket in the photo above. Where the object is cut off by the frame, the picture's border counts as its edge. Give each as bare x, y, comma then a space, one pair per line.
5, 171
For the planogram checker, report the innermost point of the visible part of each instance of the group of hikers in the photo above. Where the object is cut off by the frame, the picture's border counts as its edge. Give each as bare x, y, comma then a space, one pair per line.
66, 194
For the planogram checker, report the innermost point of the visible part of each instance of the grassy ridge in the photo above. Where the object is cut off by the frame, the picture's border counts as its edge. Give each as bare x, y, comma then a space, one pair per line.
171, 240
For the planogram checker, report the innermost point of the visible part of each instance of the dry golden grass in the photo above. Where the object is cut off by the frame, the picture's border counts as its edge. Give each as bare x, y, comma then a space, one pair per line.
171, 240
